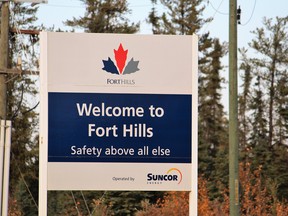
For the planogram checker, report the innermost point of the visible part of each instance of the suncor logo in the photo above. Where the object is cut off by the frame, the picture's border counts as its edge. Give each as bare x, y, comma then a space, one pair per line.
121, 67
172, 175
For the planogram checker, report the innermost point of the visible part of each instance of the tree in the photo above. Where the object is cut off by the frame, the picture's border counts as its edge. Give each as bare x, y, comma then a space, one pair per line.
21, 111
281, 100
212, 123
104, 16
258, 139
267, 140
182, 17
244, 103
272, 45
128, 202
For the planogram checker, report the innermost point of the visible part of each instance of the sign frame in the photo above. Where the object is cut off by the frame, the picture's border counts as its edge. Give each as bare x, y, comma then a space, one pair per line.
56, 82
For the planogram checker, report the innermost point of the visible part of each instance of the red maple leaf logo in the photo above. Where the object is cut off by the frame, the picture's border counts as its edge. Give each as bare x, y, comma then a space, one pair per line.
122, 67
120, 57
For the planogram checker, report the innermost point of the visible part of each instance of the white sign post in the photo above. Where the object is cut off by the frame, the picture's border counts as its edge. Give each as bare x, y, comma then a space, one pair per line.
118, 112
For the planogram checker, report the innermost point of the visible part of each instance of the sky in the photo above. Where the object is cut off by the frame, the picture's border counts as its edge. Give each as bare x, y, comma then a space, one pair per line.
253, 11
252, 14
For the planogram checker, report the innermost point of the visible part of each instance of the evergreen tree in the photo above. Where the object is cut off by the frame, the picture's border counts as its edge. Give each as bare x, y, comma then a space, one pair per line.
184, 17
272, 45
21, 91
258, 140
104, 16
281, 100
280, 148
244, 103
124, 203
279, 170
268, 139
181, 17
212, 123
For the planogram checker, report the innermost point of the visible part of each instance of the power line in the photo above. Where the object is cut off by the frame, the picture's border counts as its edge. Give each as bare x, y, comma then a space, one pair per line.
22, 45
26, 185
217, 9
252, 13
75, 203
85, 202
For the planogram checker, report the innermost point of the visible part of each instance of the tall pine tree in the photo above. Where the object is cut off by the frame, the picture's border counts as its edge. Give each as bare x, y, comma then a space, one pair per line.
244, 103
184, 17
181, 17
267, 139
258, 139
105, 16
21, 91
272, 46
212, 123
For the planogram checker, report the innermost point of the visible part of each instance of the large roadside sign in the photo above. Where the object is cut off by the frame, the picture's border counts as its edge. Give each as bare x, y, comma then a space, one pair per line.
118, 112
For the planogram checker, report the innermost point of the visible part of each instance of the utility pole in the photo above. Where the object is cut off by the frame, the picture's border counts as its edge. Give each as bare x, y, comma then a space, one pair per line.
5, 127
4, 41
4, 57
3, 87
233, 112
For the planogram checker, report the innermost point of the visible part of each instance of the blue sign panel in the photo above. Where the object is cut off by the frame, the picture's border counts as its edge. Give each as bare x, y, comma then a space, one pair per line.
104, 127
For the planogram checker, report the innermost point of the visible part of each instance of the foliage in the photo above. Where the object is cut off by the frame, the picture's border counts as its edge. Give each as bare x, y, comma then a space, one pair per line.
263, 119
263, 102
104, 17
272, 46
244, 103
13, 208
21, 91
257, 198
100, 209
128, 202
173, 203
180, 17
184, 17
211, 121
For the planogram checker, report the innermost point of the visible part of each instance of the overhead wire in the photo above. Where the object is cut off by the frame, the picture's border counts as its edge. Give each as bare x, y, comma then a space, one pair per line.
23, 51
26, 185
15, 114
252, 13
217, 9
75, 203
15, 76
216, 12
85, 202
100, 199
22, 45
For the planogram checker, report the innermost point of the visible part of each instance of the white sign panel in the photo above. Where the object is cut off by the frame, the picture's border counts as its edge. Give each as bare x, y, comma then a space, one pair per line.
119, 112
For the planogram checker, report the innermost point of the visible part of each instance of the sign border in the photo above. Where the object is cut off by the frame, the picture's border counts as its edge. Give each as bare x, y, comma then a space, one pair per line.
43, 148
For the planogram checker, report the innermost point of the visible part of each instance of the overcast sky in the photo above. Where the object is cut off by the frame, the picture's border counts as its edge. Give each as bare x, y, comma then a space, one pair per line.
253, 11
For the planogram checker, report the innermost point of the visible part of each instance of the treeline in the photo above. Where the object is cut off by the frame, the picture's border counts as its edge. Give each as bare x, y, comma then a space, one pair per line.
263, 117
